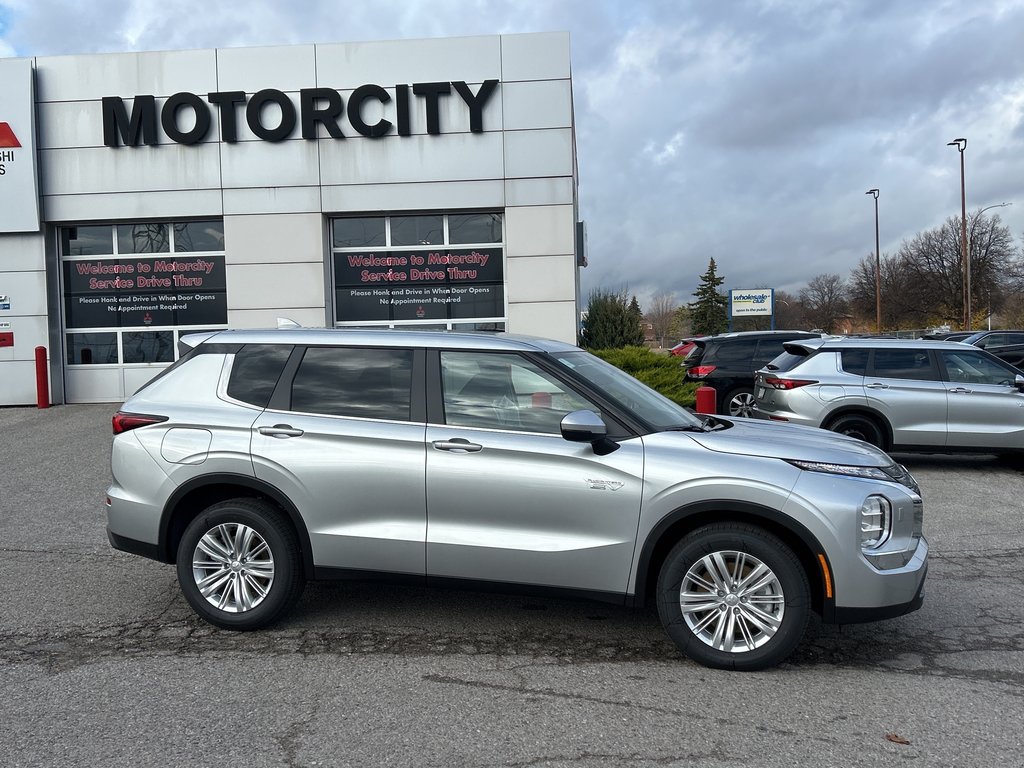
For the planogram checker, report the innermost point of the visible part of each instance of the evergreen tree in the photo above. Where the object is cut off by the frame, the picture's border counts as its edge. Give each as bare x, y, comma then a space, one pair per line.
708, 313
612, 322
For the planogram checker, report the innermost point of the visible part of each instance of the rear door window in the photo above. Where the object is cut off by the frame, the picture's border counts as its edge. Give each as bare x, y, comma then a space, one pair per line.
354, 382
736, 354
904, 364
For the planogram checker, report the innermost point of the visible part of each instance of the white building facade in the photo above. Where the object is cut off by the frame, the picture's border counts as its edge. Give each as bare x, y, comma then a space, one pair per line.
147, 195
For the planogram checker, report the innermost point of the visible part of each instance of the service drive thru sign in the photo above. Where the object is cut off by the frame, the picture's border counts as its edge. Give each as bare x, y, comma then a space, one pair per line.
19, 191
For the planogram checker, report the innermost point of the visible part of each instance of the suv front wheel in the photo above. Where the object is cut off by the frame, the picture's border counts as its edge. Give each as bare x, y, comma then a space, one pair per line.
239, 565
733, 596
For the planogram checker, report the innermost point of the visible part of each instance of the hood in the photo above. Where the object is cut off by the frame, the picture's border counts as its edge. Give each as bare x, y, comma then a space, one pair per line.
752, 437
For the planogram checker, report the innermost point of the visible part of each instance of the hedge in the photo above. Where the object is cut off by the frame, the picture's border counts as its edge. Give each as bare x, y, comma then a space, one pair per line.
660, 372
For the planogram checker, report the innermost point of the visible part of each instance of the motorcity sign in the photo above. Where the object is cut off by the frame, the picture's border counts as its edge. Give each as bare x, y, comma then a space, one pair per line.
144, 291
19, 188
187, 118
758, 301
430, 284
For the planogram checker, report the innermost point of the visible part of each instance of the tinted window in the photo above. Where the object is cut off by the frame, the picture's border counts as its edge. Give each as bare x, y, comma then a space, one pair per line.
255, 372
855, 361
143, 238
198, 236
497, 391
737, 351
474, 228
903, 364
359, 232
768, 349
417, 230
787, 361
148, 347
87, 241
973, 368
92, 348
363, 383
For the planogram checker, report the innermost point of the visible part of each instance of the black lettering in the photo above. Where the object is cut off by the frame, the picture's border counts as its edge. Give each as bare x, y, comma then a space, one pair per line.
3, 169
254, 115
117, 124
402, 102
327, 116
226, 101
476, 103
169, 118
355, 103
431, 93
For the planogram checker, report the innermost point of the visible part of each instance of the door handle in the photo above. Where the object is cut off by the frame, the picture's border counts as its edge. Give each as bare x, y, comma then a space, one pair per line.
457, 444
876, 385
280, 431
960, 390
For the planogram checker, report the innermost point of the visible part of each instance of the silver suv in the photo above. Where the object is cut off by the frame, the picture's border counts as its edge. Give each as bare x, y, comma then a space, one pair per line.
262, 459
897, 394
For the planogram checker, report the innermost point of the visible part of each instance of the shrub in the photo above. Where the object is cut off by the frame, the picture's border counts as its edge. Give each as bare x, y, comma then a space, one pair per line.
658, 371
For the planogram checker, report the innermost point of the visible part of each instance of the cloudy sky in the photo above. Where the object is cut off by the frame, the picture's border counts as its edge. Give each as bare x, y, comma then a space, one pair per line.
744, 130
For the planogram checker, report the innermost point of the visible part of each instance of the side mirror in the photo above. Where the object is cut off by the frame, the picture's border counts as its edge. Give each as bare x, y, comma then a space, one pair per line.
588, 427
1018, 382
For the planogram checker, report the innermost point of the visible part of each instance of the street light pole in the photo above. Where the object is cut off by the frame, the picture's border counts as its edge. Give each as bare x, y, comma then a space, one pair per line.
961, 145
878, 268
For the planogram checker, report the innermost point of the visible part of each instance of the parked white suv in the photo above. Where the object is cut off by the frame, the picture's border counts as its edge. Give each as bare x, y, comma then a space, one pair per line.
897, 394
262, 459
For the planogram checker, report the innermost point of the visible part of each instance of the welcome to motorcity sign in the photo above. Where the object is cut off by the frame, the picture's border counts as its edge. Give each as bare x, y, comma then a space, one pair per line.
187, 118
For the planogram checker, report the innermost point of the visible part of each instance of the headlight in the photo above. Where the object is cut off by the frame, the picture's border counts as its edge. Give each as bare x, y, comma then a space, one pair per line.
875, 522
894, 473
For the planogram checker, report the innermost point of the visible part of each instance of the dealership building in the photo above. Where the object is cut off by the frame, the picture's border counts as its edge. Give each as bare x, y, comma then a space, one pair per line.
143, 196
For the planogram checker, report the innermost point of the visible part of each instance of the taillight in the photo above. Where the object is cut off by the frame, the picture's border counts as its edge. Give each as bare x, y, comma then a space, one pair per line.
776, 383
700, 371
122, 421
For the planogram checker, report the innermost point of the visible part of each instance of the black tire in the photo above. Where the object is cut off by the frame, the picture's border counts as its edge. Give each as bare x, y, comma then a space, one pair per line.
862, 427
784, 598
739, 402
249, 552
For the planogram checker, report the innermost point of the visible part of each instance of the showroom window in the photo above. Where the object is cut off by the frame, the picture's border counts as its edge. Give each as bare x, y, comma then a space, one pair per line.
131, 289
432, 270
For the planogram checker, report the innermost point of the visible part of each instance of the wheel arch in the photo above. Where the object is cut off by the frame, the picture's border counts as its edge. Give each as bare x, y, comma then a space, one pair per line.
674, 526
192, 497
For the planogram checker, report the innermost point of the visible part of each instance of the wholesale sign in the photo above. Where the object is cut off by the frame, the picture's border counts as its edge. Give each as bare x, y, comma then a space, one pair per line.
757, 301
161, 291
429, 284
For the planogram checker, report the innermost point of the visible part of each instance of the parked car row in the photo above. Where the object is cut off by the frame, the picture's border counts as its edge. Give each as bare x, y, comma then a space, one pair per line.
897, 394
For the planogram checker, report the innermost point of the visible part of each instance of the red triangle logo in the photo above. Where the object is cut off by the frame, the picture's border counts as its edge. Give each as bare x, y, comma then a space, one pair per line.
7, 137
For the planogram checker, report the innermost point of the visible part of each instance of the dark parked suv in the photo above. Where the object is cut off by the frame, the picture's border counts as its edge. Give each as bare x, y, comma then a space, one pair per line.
728, 361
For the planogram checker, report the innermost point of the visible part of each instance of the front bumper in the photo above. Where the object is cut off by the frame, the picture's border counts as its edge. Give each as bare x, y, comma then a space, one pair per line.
893, 593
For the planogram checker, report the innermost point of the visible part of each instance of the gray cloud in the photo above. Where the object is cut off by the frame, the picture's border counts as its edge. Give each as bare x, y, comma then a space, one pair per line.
747, 131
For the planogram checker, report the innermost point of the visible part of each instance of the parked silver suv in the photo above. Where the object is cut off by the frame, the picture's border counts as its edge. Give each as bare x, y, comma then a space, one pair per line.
262, 459
897, 394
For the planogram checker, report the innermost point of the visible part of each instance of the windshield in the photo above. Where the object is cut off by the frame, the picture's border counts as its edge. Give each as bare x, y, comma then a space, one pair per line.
651, 407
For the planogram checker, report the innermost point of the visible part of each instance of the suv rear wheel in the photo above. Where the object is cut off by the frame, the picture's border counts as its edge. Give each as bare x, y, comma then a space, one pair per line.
862, 427
740, 402
239, 565
733, 596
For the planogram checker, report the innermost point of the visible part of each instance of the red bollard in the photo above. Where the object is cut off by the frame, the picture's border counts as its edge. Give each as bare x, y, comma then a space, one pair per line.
42, 379
706, 400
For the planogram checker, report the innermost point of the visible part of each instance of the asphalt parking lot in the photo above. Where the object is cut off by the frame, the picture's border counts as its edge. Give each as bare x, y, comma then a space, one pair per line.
102, 663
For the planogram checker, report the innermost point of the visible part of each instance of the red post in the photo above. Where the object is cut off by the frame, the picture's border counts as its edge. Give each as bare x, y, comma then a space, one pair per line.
42, 379
706, 400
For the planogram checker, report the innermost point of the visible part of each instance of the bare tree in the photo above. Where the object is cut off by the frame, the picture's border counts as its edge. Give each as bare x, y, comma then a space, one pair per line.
789, 312
824, 300
661, 314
